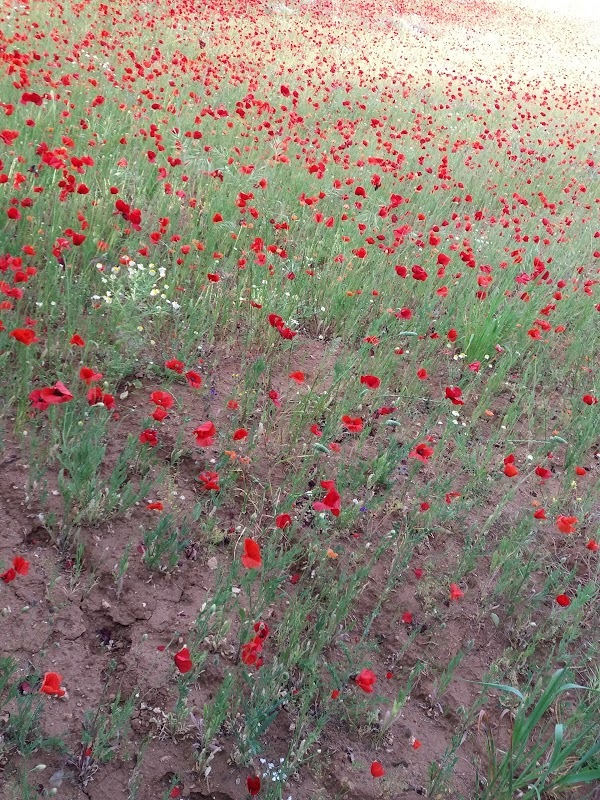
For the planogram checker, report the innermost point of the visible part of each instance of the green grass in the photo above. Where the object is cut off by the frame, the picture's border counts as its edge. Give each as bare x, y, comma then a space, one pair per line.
242, 136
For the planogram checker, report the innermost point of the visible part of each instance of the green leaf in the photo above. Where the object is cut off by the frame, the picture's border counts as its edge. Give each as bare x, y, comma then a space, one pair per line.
504, 688
585, 776
556, 757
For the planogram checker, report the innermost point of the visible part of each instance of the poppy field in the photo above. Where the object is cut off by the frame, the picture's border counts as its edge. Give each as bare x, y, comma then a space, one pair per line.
299, 421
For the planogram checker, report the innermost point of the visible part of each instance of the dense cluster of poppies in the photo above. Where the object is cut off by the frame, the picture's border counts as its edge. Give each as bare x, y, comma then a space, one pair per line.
171, 195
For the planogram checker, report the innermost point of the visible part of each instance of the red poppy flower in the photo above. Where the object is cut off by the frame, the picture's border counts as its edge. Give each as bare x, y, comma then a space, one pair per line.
262, 629
353, 424
182, 660
94, 396
159, 414
233, 405
581, 471
372, 381
253, 785
175, 366
366, 680
566, 524
454, 394
32, 97
275, 321
251, 557
149, 436
407, 618
589, 399
299, 377
209, 481
377, 770
205, 434
335, 694
24, 335
275, 397
156, 506
456, 592
282, 521
251, 653
593, 546
422, 374
240, 434
510, 469
88, 375
51, 684
563, 600
332, 500
20, 565
9, 575
539, 514
162, 399
422, 452
287, 333
543, 472
194, 379
314, 429
50, 396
